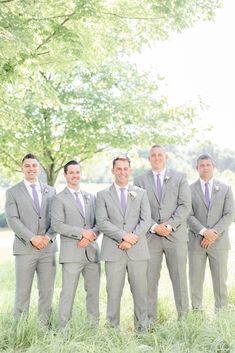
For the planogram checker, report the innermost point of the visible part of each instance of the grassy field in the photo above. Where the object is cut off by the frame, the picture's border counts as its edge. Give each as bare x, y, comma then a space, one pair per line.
198, 333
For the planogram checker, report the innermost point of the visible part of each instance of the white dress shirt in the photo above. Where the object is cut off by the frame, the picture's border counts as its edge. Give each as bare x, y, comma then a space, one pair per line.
210, 185
161, 175
78, 192
30, 190
117, 187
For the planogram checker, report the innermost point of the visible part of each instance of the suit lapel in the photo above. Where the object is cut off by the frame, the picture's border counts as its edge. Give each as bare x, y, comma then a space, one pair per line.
114, 196
27, 195
214, 192
86, 198
72, 200
151, 180
200, 192
43, 192
129, 199
166, 180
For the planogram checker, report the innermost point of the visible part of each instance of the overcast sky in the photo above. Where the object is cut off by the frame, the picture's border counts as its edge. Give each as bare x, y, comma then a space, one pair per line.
200, 62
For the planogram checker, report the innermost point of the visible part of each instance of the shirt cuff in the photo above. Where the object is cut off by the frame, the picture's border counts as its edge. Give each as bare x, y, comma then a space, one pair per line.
152, 228
202, 231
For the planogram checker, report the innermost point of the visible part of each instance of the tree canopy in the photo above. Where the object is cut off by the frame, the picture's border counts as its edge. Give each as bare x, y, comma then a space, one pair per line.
68, 86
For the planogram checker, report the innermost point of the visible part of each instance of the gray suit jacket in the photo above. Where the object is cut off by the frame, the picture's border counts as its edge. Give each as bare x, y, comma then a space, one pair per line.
114, 224
67, 220
175, 203
23, 219
219, 215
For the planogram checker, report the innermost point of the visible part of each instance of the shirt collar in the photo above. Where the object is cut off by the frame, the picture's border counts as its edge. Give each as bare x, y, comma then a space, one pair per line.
73, 191
161, 173
28, 183
210, 182
119, 187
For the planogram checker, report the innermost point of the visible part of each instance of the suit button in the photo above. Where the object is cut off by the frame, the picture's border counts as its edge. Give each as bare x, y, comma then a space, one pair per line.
124, 223
40, 217
160, 208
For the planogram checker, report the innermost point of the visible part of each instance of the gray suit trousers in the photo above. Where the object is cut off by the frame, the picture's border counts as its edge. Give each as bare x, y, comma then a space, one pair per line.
137, 278
45, 267
70, 277
176, 259
218, 260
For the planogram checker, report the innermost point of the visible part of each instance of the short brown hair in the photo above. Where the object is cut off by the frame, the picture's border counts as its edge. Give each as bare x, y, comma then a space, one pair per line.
72, 162
30, 156
121, 158
205, 156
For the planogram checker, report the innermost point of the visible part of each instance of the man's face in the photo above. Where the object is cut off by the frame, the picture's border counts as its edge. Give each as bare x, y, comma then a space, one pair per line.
205, 169
31, 169
73, 176
157, 158
121, 172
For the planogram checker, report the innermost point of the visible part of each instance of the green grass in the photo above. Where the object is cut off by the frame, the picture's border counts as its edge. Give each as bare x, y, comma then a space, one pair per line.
200, 332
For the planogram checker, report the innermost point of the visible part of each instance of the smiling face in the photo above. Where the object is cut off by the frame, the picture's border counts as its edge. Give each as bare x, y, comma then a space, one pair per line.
157, 158
121, 172
31, 169
205, 168
73, 176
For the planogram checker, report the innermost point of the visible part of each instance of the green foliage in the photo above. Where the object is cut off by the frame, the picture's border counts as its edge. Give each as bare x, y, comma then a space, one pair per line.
199, 332
67, 88
48, 34
85, 112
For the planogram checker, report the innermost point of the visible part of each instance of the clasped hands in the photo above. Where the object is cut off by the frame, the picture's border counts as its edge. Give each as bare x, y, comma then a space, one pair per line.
163, 230
209, 237
87, 237
40, 241
129, 239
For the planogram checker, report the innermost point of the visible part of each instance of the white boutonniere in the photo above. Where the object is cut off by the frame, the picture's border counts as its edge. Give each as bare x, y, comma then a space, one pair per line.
45, 191
216, 188
132, 194
166, 178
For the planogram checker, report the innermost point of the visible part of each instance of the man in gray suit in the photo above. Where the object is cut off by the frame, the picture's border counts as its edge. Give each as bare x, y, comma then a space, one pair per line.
123, 215
169, 198
73, 216
28, 215
212, 213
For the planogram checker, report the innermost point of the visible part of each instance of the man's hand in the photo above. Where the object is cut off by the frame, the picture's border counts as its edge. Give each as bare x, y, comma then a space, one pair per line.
46, 240
210, 234
83, 243
88, 234
205, 243
130, 238
124, 245
40, 241
162, 229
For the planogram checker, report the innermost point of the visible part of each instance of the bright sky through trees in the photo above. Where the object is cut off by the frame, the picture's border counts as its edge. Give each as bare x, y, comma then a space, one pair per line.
200, 62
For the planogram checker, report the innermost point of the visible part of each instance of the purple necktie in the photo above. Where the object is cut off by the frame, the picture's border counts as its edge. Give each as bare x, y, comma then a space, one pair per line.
79, 203
123, 199
35, 198
207, 195
159, 187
